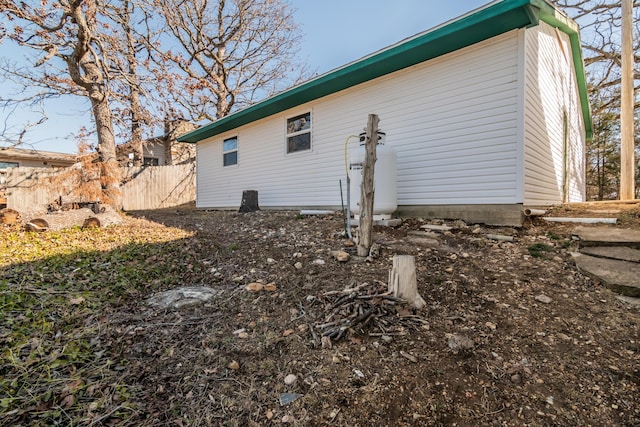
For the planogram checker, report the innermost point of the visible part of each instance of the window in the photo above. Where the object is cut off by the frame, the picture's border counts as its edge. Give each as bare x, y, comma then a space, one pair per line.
7, 165
150, 161
3, 167
299, 133
230, 151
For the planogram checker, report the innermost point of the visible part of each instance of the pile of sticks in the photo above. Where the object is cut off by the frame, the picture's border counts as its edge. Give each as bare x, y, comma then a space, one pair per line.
360, 306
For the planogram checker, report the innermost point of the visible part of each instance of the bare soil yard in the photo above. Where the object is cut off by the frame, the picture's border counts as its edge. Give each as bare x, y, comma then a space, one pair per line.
512, 333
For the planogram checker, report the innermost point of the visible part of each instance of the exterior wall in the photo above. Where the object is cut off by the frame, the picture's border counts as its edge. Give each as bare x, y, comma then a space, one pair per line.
453, 122
28, 163
155, 150
552, 173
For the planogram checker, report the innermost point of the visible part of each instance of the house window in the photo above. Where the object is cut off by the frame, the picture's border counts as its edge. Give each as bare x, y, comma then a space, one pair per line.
7, 165
230, 151
150, 161
299, 133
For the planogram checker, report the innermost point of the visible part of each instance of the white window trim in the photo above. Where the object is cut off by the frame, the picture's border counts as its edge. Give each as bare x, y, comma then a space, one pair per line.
287, 134
236, 150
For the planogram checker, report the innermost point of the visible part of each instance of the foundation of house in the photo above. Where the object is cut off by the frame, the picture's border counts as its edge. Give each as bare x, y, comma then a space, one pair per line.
502, 215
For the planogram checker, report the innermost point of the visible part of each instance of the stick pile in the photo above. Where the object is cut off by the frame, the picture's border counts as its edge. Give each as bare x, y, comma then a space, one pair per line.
363, 305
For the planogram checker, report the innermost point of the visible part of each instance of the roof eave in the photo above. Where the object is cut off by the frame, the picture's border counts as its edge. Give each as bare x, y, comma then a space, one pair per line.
490, 21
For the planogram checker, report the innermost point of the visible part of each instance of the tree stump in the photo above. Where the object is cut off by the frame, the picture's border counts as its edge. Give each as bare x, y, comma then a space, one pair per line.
249, 201
91, 222
10, 216
402, 280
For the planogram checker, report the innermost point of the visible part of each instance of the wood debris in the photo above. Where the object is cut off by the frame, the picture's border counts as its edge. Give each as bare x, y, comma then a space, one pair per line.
365, 305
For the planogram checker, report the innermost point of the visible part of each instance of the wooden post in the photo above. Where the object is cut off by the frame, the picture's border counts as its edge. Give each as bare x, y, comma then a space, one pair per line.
365, 226
249, 201
627, 170
402, 280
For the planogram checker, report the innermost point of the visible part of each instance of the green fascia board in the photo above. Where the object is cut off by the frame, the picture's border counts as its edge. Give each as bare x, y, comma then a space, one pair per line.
490, 21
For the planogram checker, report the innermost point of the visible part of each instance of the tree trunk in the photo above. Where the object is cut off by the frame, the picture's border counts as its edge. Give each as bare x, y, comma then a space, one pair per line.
402, 280
365, 226
136, 113
109, 171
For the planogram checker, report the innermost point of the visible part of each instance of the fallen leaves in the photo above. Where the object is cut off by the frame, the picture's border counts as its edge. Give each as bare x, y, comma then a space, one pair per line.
227, 360
257, 287
76, 301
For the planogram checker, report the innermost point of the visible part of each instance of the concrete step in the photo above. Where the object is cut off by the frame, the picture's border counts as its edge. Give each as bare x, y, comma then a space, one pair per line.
621, 253
622, 277
607, 236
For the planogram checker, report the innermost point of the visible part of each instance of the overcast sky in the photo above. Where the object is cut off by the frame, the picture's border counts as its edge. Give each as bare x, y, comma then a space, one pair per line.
335, 32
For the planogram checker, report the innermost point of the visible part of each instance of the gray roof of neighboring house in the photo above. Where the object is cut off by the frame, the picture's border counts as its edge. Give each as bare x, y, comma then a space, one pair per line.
30, 154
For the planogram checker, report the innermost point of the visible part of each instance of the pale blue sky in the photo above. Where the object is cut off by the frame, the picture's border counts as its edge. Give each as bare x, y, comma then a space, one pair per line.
335, 32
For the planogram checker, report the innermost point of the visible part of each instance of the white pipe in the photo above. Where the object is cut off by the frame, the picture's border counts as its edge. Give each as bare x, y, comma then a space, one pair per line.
315, 212
534, 212
346, 169
349, 207
500, 237
582, 220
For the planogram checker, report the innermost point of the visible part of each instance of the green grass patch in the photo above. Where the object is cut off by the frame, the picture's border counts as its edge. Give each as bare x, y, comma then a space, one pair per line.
56, 292
538, 250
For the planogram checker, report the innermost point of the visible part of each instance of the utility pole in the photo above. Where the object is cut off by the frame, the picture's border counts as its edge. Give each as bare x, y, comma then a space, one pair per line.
627, 172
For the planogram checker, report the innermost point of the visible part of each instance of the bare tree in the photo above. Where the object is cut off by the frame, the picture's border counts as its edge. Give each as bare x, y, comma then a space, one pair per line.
68, 31
600, 22
224, 54
126, 42
227, 53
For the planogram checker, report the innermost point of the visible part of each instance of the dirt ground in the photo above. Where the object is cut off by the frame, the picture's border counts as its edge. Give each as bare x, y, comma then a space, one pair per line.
511, 335
569, 359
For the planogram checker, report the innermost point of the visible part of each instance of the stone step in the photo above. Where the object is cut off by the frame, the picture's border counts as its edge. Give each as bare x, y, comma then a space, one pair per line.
621, 253
607, 236
622, 277
629, 300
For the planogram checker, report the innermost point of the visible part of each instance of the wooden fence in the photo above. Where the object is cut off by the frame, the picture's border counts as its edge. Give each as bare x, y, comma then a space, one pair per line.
145, 187
158, 187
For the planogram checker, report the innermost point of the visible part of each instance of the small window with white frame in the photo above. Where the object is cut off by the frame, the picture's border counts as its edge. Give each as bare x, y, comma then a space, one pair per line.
230, 151
299, 133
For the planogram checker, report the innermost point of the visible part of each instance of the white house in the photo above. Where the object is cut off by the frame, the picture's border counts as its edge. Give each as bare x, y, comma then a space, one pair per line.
488, 114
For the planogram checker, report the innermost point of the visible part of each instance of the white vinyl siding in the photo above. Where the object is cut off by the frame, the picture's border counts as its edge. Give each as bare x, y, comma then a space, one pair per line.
551, 94
155, 150
453, 122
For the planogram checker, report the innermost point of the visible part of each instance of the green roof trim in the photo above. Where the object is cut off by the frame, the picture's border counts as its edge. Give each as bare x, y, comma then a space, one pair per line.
494, 19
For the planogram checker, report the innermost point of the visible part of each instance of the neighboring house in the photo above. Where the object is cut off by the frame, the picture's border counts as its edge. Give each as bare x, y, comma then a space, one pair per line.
488, 114
162, 150
21, 157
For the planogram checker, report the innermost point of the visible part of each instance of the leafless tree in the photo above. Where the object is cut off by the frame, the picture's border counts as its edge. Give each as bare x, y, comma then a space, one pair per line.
71, 60
600, 24
128, 65
140, 62
226, 53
